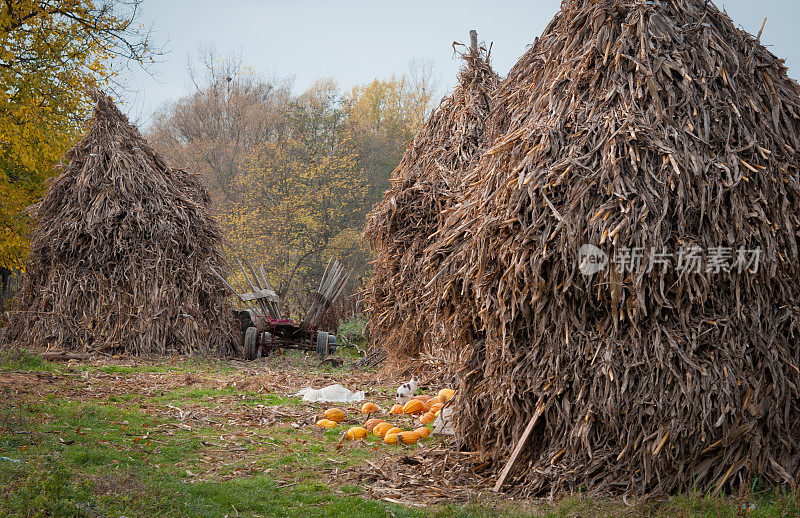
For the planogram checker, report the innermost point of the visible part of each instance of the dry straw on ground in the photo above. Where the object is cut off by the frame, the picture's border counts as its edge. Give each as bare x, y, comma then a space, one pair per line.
631, 123
120, 253
424, 186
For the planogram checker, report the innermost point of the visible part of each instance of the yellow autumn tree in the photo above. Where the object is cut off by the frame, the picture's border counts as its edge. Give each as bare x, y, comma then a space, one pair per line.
296, 206
387, 107
53, 54
384, 116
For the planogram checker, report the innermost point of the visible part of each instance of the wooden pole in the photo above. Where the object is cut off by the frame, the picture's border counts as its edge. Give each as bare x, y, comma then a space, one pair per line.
518, 448
473, 41
761, 30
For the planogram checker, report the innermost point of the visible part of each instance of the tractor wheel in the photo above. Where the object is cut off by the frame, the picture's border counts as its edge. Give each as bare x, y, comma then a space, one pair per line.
332, 344
250, 343
266, 338
322, 344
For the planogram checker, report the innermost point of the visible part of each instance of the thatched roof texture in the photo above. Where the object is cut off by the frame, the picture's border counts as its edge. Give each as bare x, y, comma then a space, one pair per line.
424, 185
121, 251
632, 123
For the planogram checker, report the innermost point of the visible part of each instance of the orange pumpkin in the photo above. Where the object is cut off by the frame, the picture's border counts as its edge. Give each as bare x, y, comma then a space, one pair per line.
397, 409
335, 414
446, 394
415, 406
326, 423
391, 438
372, 423
370, 408
423, 431
357, 432
426, 418
380, 429
409, 438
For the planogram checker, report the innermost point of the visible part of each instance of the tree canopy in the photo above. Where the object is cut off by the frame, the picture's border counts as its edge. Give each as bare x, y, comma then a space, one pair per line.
293, 174
53, 55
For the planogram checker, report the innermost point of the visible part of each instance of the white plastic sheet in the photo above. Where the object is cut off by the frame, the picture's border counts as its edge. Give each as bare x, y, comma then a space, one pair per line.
443, 423
330, 394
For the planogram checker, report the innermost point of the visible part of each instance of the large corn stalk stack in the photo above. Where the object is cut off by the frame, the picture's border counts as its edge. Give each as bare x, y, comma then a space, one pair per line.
645, 128
121, 254
424, 187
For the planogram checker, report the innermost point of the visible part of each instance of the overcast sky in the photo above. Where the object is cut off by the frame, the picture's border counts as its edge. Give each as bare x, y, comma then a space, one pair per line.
357, 41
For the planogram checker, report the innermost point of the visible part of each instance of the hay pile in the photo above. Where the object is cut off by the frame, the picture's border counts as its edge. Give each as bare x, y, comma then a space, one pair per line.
632, 123
424, 186
120, 253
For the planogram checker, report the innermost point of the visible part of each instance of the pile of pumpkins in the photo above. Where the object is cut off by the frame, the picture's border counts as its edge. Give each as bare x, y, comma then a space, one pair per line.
425, 407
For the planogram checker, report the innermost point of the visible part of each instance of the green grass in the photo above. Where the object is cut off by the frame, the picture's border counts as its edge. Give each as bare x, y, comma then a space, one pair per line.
207, 396
765, 504
21, 360
78, 458
351, 334
18, 360
125, 369
51, 488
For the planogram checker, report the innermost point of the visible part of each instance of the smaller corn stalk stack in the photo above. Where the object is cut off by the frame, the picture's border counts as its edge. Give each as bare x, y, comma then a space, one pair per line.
424, 188
122, 253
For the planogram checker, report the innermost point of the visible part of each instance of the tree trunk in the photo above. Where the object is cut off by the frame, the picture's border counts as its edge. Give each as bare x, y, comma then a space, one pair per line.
5, 286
